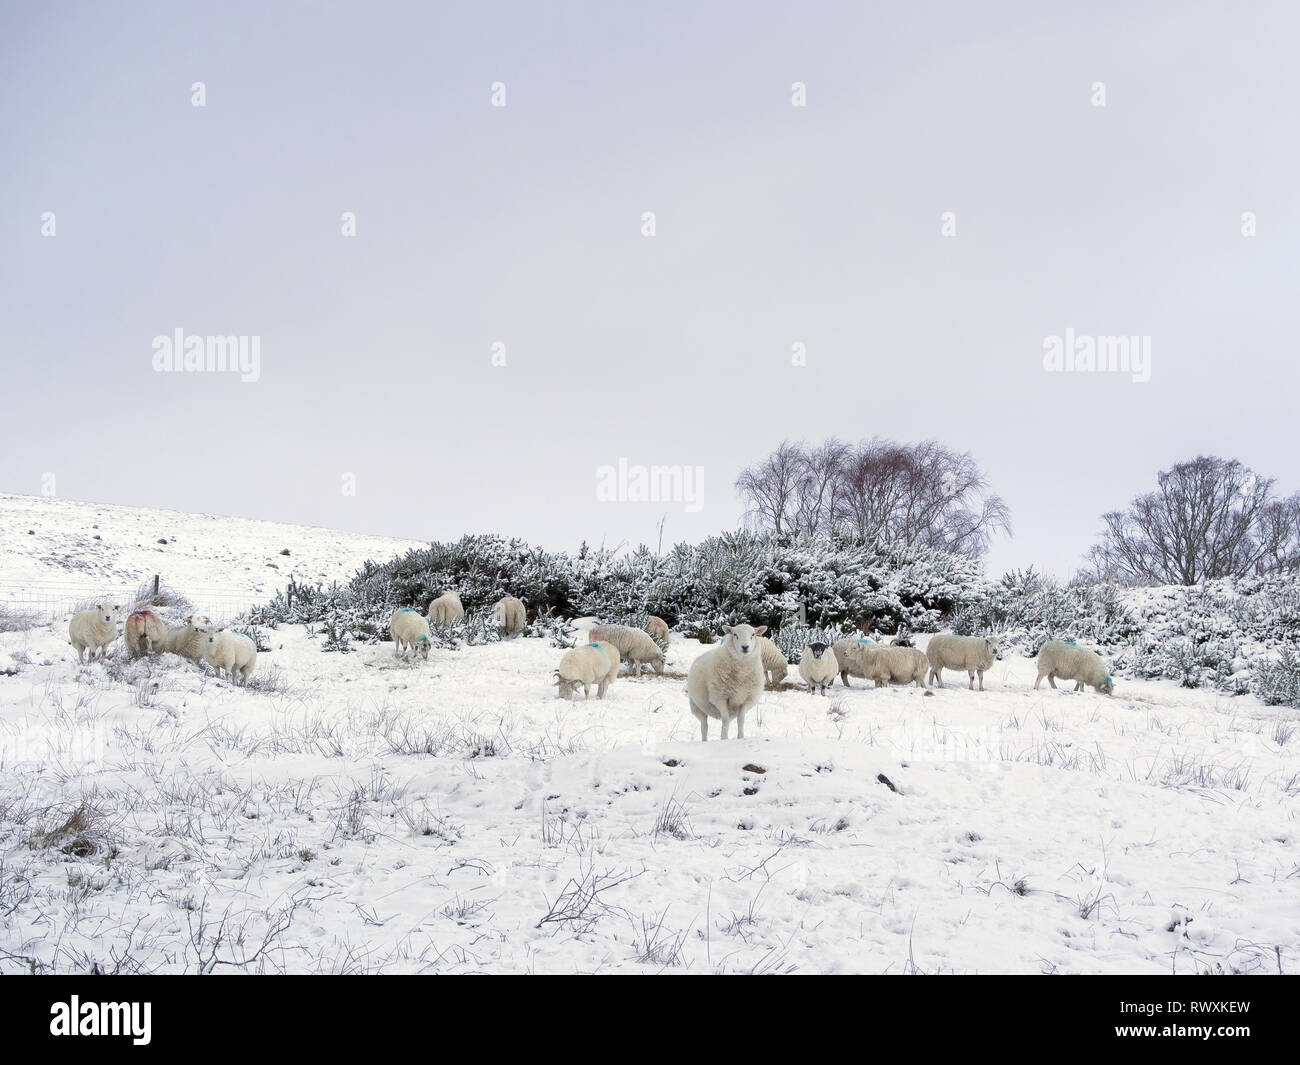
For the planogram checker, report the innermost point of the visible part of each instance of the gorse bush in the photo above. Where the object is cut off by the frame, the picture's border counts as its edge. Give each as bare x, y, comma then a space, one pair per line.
1277, 683
742, 577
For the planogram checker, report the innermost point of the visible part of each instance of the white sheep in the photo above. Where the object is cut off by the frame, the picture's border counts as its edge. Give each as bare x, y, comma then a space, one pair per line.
224, 649
775, 667
186, 639
446, 609
891, 665
847, 659
727, 681
818, 667
410, 630
509, 615
145, 633
657, 628
634, 645
974, 654
94, 630
593, 663
1069, 661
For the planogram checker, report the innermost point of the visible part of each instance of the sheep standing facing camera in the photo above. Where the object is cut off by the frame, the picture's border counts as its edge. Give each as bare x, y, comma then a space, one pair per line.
94, 630
818, 667
230, 651
186, 640
727, 682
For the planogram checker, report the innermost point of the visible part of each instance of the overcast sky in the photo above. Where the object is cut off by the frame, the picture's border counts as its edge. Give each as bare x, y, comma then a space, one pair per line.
523, 225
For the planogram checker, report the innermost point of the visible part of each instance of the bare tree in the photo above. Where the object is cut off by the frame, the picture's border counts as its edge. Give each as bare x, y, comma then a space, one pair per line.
1279, 535
769, 487
1210, 517
919, 494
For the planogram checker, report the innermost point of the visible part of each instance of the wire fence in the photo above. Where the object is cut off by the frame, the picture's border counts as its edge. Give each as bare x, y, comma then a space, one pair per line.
52, 600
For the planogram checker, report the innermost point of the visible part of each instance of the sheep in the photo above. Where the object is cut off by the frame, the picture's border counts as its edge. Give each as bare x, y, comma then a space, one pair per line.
232, 651
593, 663
775, 667
145, 633
509, 615
186, 639
901, 641
892, 665
657, 628
818, 667
446, 609
727, 681
974, 654
1069, 661
410, 631
94, 629
846, 657
634, 645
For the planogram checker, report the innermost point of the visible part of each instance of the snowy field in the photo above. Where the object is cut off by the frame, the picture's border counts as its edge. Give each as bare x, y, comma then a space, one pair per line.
353, 813
58, 550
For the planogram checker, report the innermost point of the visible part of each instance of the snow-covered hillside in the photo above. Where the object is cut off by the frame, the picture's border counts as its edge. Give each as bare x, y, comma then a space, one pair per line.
58, 552
351, 813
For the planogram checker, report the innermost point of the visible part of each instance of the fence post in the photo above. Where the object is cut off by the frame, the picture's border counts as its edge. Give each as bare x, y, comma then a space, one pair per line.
155, 587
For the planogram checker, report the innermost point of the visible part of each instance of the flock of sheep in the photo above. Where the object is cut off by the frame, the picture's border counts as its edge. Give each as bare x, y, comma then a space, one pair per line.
93, 631
724, 683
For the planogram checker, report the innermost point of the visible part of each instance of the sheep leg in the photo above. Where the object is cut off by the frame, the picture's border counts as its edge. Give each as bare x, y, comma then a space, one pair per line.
1051, 679
740, 725
703, 719
844, 676
981, 680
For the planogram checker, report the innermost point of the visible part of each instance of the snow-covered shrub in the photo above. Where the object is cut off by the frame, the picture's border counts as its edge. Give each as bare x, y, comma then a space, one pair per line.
697, 588
1277, 681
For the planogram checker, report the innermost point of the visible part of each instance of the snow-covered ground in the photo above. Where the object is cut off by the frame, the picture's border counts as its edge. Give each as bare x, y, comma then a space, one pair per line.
353, 813
60, 551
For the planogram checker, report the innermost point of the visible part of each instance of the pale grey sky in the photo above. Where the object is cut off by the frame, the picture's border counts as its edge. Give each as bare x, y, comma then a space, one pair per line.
522, 224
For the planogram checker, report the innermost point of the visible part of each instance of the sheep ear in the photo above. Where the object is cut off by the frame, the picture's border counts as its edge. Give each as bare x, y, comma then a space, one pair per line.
726, 628
760, 630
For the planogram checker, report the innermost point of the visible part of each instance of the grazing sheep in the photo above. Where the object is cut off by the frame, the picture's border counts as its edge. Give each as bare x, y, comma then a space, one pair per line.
410, 631
727, 682
657, 628
446, 609
509, 615
848, 659
893, 665
775, 667
186, 640
634, 645
1069, 661
974, 654
93, 630
232, 651
818, 667
145, 633
593, 663
901, 641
